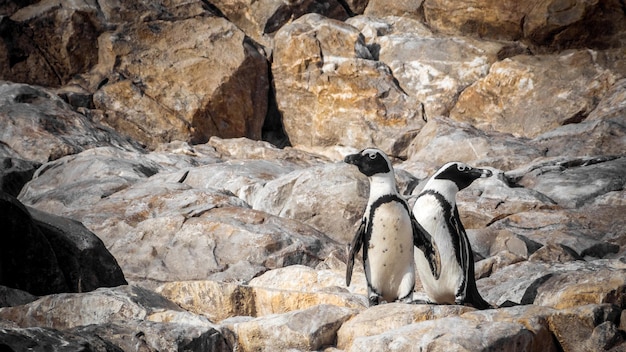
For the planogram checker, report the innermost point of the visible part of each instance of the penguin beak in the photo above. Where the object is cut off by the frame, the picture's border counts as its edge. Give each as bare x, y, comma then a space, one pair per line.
352, 159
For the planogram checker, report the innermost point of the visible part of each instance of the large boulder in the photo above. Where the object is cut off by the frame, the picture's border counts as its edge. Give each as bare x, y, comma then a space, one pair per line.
144, 97
330, 90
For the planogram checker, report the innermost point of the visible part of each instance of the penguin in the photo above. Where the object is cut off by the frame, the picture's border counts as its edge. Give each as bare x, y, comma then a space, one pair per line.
435, 209
387, 234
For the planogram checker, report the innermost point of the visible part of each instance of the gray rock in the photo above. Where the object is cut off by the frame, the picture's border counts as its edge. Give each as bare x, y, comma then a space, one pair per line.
15, 173
10, 297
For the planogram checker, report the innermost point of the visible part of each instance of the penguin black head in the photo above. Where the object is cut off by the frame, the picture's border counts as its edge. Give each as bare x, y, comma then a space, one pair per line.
370, 161
461, 174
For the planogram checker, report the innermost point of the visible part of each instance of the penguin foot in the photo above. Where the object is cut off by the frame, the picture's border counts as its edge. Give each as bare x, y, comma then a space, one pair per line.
423, 301
376, 300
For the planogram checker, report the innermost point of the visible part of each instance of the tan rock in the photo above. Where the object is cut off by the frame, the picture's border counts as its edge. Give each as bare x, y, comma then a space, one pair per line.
261, 19
533, 317
581, 328
330, 91
564, 89
149, 102
219, 301
449, 334
381, 8
388, 317
304, 330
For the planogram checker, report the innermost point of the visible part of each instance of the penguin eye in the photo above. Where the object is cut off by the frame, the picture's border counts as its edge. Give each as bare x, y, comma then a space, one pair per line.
372, 156
462, 167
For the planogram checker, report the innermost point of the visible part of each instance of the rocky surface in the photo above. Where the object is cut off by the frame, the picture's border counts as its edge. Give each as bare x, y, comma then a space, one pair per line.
142, 211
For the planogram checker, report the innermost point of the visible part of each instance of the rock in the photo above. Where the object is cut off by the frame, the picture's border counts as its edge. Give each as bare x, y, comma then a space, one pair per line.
145, 99
405, 8
436, 69
14, 173
27, 260
449, 334
572, 183
558, 285
111, 313
261, 19
42, 339
305, 330
84, 260
587, 328
548, 25
220, 301
38, 126
441, 137
303, 278
613, 105
590, 137
532, 317
323, 69
10, 297
49, 42
498, 101
315, 196
389, 317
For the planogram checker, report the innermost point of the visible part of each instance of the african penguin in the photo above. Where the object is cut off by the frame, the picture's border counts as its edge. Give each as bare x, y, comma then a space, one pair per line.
387, 234
435, 209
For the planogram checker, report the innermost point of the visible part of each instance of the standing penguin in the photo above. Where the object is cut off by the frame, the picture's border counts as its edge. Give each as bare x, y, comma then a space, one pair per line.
387, 234
435, 209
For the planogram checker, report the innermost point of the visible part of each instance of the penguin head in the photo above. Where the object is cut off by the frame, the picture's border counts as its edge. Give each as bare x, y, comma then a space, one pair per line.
370, 161
461, 174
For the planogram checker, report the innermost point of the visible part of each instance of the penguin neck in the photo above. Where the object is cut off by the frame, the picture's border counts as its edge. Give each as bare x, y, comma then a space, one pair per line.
382, 184
446, 188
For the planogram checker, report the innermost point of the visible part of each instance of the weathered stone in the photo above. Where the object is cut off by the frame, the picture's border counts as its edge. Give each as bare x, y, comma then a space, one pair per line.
586, 328
500, 260
39, 126
84, 260
315, 196
613, 104
303, 278
49, 42
549, 25
533, 317
67, 310
43, 339
10, 297
109, 315
381, 8
261, 19
571, 283
388, 317
573, 182
449, 334
564, 89
305, 330
149, 102
27, 260
220, 301
14, 173
330, 91
441, 138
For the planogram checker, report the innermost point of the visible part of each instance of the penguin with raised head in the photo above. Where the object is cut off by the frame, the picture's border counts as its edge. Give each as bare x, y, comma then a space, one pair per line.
387, 234
435, 209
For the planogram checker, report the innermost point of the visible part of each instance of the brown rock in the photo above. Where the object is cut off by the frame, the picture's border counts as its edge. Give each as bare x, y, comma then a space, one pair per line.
261, 19
147, 100
587, 328
49, 42
406, 8
564, 89
330, 91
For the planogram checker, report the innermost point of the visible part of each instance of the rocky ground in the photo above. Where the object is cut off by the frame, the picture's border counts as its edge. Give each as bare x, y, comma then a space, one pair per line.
171, 171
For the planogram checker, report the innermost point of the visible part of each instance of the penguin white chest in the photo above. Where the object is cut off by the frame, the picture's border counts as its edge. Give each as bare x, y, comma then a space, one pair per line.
430, 214
390, 252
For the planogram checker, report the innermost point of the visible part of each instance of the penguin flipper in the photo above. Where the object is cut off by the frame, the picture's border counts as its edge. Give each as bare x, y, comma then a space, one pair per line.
353, 249
469, 292
423, 241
